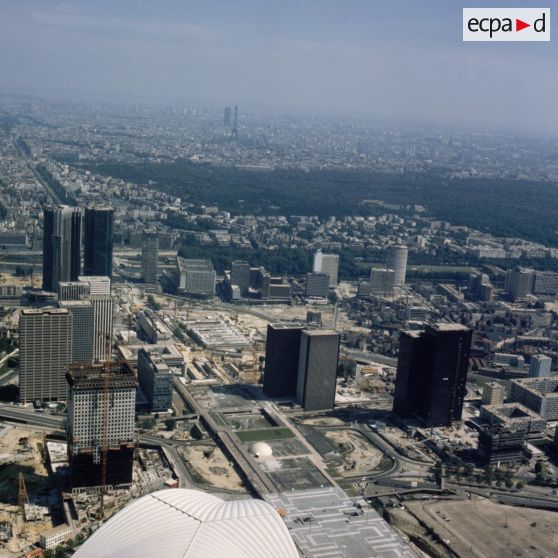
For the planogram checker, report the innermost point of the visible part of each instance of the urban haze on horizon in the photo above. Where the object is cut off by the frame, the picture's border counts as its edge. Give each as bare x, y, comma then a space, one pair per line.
276, 279
386, 61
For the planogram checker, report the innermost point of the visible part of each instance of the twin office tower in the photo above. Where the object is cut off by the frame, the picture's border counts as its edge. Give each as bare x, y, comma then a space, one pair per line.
76, 331
301, 364
62, 240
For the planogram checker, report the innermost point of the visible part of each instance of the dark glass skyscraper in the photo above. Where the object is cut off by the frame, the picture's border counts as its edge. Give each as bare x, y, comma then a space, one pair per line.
97, 241
432, 373
317, 369
61, 245
281, 359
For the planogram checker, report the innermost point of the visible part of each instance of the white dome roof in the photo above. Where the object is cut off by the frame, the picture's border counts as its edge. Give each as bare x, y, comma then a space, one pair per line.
182, 523
261, 449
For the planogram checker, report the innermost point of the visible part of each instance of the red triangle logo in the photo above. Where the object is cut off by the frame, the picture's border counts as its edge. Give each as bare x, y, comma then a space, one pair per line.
519, 25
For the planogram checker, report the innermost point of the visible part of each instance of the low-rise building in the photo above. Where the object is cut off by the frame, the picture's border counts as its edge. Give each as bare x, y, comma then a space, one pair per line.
152, 327
56, 536
196, 277
155, 379
538, 394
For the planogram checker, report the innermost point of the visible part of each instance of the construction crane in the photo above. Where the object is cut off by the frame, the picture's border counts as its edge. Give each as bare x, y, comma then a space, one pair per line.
104, 433
22, 498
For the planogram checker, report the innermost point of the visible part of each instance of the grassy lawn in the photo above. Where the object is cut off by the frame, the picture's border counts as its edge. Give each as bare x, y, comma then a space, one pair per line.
266, 434
219, 419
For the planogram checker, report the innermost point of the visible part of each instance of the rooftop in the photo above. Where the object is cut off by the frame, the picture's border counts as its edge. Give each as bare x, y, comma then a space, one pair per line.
182, 523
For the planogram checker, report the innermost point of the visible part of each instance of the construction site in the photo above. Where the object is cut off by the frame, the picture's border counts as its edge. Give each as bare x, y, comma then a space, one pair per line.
29, 504
101, 412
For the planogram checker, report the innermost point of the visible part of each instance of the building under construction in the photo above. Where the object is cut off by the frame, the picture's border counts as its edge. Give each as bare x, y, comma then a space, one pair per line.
101, 413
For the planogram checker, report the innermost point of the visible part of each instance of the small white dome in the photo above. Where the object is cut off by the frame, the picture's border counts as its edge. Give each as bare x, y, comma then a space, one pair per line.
261, 449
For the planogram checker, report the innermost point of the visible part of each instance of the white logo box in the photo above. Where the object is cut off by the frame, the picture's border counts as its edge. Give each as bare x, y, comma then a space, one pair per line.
491, 24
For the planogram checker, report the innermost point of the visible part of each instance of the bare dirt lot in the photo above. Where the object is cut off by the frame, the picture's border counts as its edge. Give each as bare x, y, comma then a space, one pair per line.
211, 465
361, 457
486, 529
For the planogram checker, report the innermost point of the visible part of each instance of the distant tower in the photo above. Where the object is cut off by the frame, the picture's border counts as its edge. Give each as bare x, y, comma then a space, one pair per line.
397, 260
327, 263
235, 125
61, 245
240, 275
227, 117
540, 366
150, 257
97, 241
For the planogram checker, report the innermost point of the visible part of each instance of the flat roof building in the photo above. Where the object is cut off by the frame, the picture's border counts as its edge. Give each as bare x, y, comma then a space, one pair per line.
538, 394
493, 393
155, 379
152, 327
82, 329
87, 422
317, 369
215, 333
432, 373
540, 366
196, 277
45, 350
317, 285
97, 241
281, 359
150, 257
327, 263
514, 416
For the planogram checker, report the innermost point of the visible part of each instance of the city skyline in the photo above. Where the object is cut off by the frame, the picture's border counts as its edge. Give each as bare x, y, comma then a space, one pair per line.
387, 62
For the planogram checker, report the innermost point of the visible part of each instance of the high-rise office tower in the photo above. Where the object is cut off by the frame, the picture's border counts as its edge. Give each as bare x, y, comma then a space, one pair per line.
540, 366
95, 424
45, 350
82, 329
327, 263
397, 260
97, 241
72, 290
281, 359
196, 277
61, 245
432, 373
150, 257
95, 285
519, 282
317, 369
227, 117
382, 281
317, 284
103, 308
240, 275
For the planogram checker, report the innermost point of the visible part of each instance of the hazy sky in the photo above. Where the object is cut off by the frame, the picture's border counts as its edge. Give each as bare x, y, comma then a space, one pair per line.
384, 59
